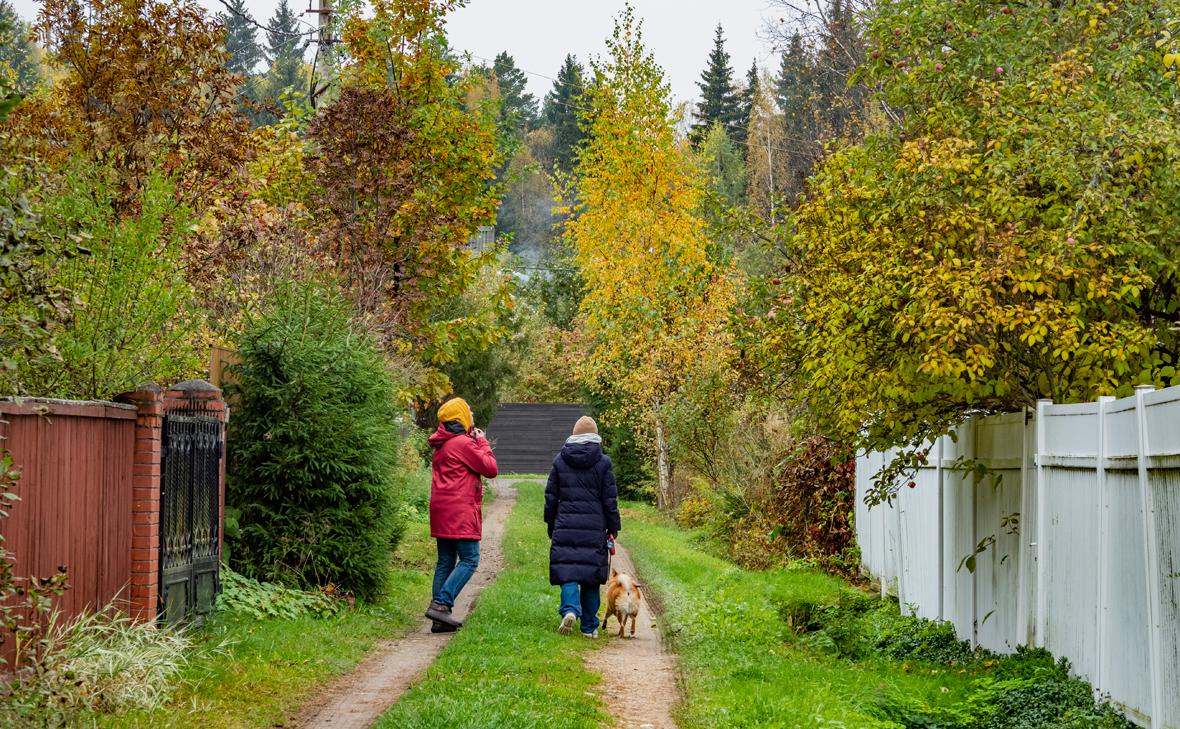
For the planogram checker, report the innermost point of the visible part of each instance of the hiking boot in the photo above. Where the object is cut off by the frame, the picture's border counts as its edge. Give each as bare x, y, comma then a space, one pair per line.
440, 613
437, 627
567, 623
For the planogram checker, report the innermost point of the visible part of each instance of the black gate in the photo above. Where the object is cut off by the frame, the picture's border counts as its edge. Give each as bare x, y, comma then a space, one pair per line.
190, 518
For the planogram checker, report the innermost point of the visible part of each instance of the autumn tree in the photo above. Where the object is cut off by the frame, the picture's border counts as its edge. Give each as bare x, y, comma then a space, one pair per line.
655, 307
1008, 238
725, 174
765, 151
142, 87
560, 112
403, 175
719, 100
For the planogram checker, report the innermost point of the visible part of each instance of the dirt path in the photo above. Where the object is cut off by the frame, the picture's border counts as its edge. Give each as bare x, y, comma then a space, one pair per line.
358, 698
638, 674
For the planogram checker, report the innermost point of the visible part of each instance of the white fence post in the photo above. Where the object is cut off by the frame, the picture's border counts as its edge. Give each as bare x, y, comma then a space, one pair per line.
939, 478
1150, 562
1039, 552
1103, 585
1026, 526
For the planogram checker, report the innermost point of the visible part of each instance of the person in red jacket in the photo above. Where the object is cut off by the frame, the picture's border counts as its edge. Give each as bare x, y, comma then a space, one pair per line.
461, 456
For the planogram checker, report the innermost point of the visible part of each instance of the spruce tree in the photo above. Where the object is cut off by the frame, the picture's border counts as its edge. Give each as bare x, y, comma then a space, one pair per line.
560, 113
798, 96
841, 51
240, 39
719, 102
18, 66
740, 130
285, 47
313, 448
518, 108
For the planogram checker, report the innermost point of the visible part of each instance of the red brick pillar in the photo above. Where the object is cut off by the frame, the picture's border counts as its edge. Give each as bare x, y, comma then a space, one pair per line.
145, 501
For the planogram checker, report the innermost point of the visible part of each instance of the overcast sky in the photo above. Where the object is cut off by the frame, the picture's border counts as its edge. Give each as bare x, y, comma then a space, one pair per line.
538, 33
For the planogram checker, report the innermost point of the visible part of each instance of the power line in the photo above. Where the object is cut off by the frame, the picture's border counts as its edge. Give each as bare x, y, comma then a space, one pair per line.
246, 17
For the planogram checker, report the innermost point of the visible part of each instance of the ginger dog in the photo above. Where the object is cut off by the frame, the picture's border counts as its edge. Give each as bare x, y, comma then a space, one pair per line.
622, 600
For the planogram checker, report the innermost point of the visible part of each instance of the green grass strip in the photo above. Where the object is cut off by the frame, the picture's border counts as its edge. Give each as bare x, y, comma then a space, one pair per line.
249, 673
508, 668
744, 667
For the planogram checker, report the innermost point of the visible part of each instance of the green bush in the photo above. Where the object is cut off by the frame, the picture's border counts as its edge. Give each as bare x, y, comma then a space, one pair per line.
313, 449
1030, 690
134, 317
1027, 690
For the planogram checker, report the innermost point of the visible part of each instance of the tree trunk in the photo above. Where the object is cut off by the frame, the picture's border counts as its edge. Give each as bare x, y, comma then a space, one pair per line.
663, 469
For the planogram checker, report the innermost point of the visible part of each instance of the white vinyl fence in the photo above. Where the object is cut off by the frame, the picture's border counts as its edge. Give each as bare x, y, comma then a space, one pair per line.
1085, 518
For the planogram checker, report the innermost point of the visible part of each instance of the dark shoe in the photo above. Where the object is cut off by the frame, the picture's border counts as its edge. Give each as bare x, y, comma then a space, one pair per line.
440, 613
437, 627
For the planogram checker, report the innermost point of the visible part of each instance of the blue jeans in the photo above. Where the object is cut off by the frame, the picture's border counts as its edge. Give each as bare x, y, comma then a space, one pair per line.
584, 605
449, 577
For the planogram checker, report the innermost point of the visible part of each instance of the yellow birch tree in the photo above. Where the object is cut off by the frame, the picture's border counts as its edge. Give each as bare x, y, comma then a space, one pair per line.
656, 308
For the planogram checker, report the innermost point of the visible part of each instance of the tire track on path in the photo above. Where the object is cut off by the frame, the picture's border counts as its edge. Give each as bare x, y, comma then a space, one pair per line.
638, 674
358, 698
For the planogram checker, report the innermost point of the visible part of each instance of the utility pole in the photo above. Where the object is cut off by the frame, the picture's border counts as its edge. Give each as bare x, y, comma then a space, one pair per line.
322, 9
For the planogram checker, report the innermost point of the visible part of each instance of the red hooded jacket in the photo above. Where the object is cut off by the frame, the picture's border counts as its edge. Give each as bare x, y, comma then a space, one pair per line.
456, 491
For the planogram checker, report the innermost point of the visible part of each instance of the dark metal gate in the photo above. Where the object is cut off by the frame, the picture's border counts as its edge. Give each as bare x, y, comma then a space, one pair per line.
190, 519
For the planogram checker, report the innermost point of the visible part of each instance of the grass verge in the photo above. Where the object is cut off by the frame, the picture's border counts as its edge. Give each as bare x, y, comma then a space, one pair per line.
248, 673
798, 648
508, 668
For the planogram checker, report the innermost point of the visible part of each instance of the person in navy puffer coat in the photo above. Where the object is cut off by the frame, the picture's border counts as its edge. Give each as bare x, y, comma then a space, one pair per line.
582, 512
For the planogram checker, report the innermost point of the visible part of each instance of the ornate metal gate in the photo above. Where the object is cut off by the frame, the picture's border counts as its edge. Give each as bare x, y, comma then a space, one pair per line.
190, 518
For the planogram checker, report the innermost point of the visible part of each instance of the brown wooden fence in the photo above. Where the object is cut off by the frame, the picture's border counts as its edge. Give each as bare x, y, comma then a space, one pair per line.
75, 495
90, 492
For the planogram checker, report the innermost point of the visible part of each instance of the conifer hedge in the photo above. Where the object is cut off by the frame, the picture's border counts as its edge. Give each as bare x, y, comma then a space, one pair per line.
312, 449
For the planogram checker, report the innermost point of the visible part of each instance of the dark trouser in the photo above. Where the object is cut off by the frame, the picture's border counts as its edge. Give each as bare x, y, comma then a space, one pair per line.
457, 560
581, 599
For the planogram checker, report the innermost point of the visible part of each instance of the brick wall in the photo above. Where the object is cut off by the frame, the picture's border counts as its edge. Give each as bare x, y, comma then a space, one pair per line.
145, 505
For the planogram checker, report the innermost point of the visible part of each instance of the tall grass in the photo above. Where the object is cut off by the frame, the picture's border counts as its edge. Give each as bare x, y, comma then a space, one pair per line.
99, 662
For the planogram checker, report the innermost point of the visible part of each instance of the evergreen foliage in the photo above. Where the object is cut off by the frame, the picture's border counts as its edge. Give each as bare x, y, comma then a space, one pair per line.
241, 39
518, 108
797, 97
313, 449
840, 54
285, 45
739, 132
19, 73
560, 112
719, 101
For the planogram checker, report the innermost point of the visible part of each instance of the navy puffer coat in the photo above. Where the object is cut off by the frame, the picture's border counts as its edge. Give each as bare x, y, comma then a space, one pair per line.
581, 508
